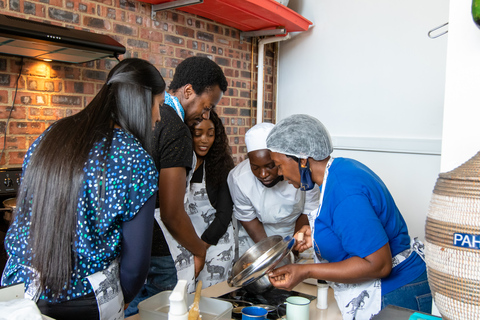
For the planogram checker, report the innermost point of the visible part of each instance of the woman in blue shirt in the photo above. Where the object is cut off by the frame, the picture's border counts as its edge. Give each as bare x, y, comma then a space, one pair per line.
81, 236
361, 242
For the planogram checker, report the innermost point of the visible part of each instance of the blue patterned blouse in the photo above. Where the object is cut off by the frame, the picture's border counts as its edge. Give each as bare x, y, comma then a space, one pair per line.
131, 178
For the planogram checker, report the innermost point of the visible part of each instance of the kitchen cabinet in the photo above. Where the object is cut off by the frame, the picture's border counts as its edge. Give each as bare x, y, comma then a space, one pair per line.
246, 15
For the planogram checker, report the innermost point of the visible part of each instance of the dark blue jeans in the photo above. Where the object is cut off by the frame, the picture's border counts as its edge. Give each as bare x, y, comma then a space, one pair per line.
162, 276
415, 296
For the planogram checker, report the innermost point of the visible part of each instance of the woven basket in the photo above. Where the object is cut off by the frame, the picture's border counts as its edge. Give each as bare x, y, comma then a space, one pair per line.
451, 249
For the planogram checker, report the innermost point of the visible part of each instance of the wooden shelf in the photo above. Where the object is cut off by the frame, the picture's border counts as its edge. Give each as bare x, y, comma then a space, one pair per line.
247, 15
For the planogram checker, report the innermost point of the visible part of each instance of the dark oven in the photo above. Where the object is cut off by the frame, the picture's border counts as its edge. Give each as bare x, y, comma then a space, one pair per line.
9, 183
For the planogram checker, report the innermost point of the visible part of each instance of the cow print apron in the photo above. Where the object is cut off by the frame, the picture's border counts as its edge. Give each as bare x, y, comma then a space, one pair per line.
218, 261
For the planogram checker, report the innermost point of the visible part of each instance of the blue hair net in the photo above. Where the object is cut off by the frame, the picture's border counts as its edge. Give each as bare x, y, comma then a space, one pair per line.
302, 136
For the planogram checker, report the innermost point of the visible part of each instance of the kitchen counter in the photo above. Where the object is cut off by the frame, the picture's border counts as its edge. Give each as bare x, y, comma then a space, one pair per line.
331, 313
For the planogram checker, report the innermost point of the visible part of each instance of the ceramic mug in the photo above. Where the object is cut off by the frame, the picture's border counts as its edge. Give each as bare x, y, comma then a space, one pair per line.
298, 308
254, 313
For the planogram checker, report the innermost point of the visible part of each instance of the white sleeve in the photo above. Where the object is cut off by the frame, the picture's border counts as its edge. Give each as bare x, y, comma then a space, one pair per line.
243, 209
312, 200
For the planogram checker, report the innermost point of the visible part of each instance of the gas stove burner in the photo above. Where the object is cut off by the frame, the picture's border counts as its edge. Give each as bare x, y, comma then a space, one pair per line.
274, 299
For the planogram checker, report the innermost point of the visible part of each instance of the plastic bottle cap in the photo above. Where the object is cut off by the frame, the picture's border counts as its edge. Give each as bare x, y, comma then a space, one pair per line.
178, 302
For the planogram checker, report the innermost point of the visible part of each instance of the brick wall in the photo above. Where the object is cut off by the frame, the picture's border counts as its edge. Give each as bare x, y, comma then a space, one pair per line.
49, 91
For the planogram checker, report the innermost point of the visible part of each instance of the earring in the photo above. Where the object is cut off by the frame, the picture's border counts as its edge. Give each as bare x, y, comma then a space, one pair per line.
306, 182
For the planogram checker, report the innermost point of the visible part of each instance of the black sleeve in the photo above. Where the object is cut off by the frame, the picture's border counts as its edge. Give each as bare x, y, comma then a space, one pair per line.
222, 201
136, 246
173, 147
173, 141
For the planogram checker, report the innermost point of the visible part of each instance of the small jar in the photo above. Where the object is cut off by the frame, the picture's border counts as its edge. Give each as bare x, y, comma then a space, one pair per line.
322, 294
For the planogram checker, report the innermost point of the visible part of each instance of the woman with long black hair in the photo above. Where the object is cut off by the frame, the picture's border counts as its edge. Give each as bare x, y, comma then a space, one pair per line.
81, 236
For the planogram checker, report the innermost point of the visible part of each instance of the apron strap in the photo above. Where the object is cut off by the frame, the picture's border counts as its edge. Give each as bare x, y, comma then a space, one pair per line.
235, 237
418, 247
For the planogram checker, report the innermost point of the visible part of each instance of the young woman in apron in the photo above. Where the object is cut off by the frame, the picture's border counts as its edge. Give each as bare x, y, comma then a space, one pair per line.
209, 206
357, 230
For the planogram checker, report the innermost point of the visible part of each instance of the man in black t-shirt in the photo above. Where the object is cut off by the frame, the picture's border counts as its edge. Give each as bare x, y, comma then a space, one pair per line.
197, 87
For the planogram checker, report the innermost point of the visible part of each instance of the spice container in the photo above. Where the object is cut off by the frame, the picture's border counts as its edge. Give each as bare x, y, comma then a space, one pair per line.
322, 294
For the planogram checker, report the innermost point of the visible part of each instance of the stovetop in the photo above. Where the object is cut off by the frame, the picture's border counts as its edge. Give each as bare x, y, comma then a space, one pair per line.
275, 298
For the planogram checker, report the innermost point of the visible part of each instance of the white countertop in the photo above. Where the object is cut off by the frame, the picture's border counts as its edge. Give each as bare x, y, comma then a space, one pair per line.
331, 313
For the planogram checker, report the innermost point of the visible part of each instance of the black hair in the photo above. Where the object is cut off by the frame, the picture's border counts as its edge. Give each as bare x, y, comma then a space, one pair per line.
293, 157
201, 72
218, 161
52, 180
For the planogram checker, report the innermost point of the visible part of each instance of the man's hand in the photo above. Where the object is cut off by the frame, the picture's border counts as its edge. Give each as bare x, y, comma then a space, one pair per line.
199, 262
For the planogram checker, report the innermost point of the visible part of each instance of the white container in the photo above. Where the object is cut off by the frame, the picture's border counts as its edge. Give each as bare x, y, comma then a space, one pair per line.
157, 307
322, 294
178, 302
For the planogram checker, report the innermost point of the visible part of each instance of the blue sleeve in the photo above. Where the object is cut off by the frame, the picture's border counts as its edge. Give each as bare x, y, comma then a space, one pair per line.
358, 226
136, 247
143, 183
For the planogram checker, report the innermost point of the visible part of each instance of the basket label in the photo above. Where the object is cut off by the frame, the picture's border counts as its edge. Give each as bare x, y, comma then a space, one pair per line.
464, 240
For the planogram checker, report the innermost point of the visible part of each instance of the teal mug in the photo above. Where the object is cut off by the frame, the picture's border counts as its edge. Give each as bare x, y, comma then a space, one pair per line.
298, 308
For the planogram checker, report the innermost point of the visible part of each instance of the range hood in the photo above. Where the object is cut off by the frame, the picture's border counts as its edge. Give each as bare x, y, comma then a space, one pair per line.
22, 37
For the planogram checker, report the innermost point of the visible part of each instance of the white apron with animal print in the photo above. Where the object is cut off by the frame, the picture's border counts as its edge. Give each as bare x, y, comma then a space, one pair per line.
108, 292
356, 301
218, 261
106, 286
361, 301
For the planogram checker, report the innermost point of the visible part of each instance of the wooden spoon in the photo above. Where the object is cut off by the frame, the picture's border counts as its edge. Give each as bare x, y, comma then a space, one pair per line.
194, 313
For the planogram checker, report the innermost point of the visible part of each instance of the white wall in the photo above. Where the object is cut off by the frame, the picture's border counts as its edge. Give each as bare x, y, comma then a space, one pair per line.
370, 73
461, 129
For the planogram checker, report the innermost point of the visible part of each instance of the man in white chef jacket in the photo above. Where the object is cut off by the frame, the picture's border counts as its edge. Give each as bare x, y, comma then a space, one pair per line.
265, 204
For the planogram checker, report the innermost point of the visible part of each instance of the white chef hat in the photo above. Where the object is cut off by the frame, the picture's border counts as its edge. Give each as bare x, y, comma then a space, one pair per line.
256, 137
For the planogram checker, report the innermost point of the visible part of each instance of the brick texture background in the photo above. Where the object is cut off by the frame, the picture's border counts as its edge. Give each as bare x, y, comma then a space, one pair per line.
49, 91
